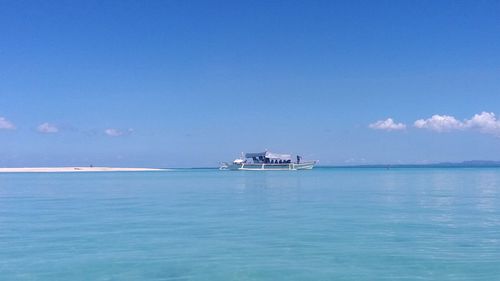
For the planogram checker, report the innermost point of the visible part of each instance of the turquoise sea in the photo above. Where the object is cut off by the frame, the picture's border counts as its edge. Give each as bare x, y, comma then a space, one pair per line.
324, 224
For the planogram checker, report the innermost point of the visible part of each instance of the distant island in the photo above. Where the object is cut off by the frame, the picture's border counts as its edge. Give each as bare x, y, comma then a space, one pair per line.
464, 164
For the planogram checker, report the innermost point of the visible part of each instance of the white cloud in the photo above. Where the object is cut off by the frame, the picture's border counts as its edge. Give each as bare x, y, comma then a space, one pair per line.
485, 122
387, 125
440, 123
47, 128
112, 132
6, 124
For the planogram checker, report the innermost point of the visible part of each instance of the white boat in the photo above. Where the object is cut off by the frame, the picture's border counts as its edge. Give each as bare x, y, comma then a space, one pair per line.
266, 161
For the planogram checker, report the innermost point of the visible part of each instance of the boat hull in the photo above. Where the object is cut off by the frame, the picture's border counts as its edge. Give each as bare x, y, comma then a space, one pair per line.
268, 167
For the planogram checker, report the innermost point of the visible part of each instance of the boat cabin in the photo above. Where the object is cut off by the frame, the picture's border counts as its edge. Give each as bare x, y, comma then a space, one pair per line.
269, 158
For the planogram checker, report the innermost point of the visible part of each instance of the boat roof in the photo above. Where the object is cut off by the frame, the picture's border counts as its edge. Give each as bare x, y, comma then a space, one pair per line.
270, 155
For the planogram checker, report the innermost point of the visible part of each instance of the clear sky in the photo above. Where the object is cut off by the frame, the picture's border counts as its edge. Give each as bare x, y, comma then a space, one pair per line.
187, 83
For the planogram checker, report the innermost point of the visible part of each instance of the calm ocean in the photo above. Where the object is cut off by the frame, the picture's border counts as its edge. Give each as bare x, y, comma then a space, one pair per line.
324, 224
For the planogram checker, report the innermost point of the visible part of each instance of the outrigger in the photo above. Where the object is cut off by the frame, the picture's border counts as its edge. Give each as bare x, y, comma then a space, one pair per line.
262, 161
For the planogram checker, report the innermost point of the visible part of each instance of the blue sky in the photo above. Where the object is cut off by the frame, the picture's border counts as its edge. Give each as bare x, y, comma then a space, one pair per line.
187, 83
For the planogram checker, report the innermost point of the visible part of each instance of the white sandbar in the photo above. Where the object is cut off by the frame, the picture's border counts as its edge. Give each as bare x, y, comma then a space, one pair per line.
74, 169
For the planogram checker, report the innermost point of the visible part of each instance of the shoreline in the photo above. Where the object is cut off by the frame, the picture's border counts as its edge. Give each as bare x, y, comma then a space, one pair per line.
75, 169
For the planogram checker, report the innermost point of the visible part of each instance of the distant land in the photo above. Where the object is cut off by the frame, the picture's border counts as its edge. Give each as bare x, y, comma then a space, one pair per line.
464, 164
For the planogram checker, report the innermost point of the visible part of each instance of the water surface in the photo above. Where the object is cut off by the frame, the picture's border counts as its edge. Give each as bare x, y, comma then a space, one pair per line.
324, 224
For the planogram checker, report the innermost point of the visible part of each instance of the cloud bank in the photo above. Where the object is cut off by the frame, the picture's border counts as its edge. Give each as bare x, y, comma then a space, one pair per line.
387, 125
484, 122
6, 124
47, 128
439, 123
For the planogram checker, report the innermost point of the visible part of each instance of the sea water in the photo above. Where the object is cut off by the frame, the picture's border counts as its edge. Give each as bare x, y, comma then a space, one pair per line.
324, 224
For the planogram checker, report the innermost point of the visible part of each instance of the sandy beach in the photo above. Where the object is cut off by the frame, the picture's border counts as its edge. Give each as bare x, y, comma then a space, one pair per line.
74, 169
